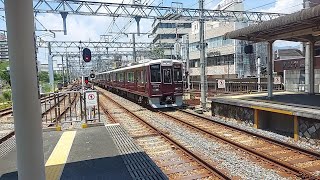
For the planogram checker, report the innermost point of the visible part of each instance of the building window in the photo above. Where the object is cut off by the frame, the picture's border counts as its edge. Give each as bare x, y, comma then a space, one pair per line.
220, 60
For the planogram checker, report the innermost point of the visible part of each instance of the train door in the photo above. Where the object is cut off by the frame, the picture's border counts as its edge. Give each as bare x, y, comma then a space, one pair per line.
141, 80
167, 86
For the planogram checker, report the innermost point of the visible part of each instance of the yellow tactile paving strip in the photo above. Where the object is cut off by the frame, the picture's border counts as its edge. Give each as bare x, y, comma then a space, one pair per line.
256, 95
272, 110
59, 156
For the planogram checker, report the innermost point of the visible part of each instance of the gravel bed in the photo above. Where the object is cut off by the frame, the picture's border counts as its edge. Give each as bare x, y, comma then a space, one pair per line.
247, 127
220, 153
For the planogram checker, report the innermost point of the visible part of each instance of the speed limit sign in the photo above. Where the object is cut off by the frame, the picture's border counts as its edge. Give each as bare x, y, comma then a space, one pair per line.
277, 80
221, 83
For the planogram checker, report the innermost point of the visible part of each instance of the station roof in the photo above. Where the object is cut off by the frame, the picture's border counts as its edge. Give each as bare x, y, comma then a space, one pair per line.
300, 26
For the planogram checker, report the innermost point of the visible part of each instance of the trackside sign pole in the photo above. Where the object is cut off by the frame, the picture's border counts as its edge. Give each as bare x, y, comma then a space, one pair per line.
26, 103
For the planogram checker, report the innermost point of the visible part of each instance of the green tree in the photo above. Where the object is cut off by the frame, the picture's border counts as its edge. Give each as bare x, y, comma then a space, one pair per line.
44, 77
157, 52
57, 77
4, 73
5, 76
7, 95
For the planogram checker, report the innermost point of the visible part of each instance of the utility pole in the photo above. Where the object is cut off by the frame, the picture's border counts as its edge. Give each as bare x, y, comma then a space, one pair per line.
259, 73
81, 70
202, 58
50, 66
62, 62
68, 70
187, 62
177, 46
134, 47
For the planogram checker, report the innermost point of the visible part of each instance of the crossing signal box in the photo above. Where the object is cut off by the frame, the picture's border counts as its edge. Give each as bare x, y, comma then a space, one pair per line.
86, 80
86, 55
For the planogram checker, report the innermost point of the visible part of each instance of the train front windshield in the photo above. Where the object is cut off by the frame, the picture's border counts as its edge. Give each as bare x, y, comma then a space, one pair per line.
177, 74
155, 73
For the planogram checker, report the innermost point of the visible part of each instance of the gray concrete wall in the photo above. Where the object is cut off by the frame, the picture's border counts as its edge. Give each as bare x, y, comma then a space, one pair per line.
295, 80
309, 129
235, 112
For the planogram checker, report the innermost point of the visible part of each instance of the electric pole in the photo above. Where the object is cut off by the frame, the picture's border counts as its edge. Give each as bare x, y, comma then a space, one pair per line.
187, 62
202, 58
134, 47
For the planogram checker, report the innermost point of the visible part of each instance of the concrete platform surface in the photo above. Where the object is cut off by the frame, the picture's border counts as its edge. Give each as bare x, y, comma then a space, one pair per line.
298, 104
301, 100
91, 153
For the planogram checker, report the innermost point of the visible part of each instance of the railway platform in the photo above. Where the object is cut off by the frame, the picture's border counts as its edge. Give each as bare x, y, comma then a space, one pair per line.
102, 152
292, 114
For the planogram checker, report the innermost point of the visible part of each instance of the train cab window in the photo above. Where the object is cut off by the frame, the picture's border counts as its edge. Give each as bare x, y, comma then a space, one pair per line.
155, 73
177, 75
167, 76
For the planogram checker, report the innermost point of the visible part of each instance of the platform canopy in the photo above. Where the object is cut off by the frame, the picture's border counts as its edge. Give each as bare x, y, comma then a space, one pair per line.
301, 26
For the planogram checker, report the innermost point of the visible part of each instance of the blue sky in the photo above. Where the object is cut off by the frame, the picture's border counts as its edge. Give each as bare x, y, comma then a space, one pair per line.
90, 28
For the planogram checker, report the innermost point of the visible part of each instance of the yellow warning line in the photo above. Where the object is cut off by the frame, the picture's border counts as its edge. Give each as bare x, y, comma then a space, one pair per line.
59, 156
272, 110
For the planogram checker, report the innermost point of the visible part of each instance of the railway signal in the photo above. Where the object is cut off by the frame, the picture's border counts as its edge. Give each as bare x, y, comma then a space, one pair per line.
86, 55
86, 80
92, 76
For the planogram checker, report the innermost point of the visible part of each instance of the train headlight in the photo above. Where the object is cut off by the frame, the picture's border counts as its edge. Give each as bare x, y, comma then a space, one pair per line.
156, 90
177, 89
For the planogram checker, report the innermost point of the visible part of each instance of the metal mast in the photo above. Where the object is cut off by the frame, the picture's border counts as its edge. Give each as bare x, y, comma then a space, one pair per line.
202, 57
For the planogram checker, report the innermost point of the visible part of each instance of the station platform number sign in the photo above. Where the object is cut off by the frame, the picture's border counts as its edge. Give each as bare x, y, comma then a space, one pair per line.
91, 98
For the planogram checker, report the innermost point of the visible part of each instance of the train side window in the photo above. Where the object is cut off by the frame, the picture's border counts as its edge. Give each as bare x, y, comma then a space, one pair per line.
177, 75
130, 77
167, 76
121, 78
155, 73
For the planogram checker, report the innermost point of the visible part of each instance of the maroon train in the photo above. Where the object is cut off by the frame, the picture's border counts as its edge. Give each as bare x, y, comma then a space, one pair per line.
157, 82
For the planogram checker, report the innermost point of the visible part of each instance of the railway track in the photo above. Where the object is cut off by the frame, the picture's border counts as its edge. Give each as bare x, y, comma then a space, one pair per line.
176, 161
60, 113
8, 111
301, 162
285, 159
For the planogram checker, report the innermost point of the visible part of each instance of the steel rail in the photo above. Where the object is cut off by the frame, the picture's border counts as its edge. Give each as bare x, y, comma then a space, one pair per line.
9, 135
303, 150
210, 167
297, 171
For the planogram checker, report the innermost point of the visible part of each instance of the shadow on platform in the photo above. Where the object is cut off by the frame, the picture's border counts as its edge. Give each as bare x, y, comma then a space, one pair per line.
101, 169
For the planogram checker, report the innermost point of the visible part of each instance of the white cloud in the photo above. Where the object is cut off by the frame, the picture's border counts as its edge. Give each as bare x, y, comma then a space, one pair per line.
286, 6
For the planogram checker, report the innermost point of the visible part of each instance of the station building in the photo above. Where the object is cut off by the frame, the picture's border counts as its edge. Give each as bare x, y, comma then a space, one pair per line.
170, 32
225, 58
